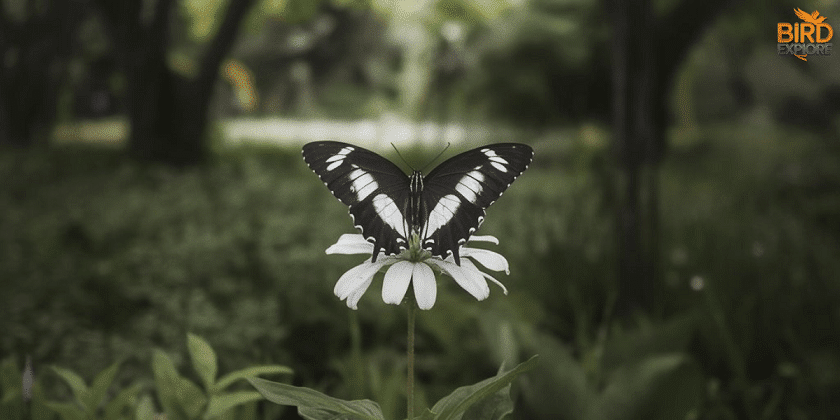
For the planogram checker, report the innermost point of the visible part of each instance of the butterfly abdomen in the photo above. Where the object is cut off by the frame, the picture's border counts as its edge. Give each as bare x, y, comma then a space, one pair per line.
416, 210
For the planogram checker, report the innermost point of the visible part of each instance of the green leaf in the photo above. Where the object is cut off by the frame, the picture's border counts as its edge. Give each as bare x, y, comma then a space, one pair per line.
628, 347
99, 388
9, 377
493, 407
659, 387
310, 413
453, 406
315, 405
203, 360
66, 410
180, 397
232, 377
11, 395
219, 404
427, 415
76, 383
123, 401
298, 11
145, 409
38, 407
559, 389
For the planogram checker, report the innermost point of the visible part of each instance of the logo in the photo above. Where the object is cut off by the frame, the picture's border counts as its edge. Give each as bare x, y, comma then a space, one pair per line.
809, 37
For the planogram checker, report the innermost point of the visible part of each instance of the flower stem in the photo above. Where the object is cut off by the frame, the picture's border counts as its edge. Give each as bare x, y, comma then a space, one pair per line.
358, 371
409, 387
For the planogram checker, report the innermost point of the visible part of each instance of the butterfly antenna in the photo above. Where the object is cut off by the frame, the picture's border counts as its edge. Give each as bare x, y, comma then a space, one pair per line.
437, 157
401, 157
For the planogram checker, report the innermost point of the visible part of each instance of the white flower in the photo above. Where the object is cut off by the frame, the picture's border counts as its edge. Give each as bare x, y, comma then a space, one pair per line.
402, 271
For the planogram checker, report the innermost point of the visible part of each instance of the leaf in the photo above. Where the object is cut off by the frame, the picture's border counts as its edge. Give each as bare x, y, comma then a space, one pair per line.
38, 407
455, 404
299, 11
180, 397
76, 383
631, 347
99, 388
656, 388
9, 377
232, 377
145, 409
219, 404
315, 405
559, 389
310, 413
493, 407
203, 360
66, 410
125, 399
427, 415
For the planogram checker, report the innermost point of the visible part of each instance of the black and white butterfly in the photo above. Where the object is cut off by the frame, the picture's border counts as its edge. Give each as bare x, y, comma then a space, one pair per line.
443, 208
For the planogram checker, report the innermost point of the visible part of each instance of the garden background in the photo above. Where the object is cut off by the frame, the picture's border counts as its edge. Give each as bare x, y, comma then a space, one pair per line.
673, 247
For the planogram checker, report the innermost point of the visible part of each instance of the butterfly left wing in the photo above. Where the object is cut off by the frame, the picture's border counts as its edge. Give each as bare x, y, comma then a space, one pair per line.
457, 192
372, 187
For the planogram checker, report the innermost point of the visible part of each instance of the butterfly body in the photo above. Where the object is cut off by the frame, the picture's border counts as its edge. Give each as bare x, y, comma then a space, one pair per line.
441, 210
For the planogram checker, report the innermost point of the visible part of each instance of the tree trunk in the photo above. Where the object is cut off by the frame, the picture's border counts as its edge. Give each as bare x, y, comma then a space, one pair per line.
632, 129
167, 111
646, 52
35, 52
168, 117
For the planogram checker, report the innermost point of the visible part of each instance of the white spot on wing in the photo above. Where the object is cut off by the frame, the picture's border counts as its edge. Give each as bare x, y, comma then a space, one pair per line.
494, 157
498, 166
388, 212
442, 213
470, 186
363, 184
337, 159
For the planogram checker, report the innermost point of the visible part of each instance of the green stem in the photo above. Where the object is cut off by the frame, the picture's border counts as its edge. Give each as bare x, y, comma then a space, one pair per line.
409, 387
357, 372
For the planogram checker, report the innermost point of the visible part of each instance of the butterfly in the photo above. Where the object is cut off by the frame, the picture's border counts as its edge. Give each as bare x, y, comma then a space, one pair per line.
442, 209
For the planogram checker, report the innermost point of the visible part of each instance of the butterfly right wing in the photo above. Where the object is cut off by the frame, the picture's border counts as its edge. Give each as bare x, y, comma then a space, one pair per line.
458, 191
375, 190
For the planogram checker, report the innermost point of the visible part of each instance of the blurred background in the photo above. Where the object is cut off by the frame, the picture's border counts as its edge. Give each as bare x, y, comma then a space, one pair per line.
674, 246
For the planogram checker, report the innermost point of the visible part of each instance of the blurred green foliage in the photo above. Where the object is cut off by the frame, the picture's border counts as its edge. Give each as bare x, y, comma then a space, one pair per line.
178, 396
107, 258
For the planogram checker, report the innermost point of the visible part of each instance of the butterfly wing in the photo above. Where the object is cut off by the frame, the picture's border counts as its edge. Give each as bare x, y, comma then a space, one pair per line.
375, 190
459, 190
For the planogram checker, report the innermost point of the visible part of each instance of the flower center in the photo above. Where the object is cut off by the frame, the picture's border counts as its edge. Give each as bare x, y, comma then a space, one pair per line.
415, 252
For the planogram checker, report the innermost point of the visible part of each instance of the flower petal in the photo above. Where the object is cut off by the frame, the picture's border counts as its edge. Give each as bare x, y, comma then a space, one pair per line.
498, 283
484, 238
355, 278
396, 282
353, 299
470, 280
425, 288
492, 260
476, 276
351, 243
